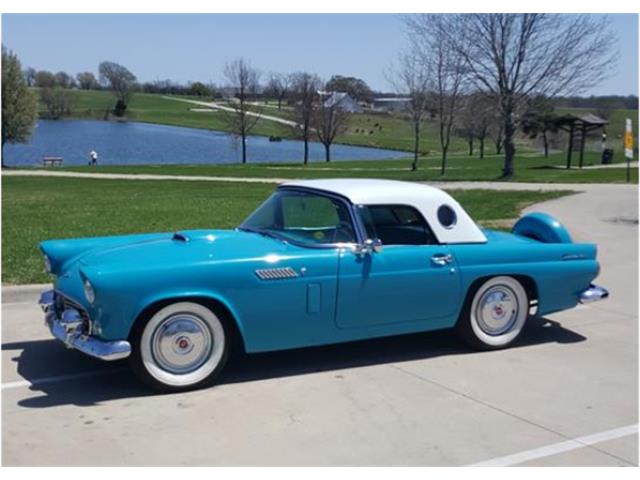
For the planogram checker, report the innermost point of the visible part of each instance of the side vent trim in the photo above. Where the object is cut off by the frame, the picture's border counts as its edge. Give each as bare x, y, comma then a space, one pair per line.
276, 273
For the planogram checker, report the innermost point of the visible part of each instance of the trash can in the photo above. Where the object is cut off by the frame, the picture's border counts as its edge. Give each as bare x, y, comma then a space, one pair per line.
607, 156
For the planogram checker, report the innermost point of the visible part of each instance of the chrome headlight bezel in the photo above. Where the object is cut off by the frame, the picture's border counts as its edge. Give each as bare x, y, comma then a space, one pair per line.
47, 263
89, 293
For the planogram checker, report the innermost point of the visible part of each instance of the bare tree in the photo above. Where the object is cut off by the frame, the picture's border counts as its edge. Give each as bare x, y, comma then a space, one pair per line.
330, 119
467, 125
30, 76
121, 81
305, 88
411, 78
478, 118
514, 56
278, 86
539, 119
243, 85
446, 65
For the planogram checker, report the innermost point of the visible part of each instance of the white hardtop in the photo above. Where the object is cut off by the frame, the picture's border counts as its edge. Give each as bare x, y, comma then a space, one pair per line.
426, 199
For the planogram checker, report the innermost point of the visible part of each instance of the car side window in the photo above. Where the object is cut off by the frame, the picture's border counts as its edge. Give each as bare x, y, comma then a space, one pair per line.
396, 225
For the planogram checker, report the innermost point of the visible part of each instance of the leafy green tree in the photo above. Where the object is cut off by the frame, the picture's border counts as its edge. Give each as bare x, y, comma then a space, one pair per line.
19, 104
199, 89
121, 81
87, 81
355, 87
64, 80
57, 101
44, 79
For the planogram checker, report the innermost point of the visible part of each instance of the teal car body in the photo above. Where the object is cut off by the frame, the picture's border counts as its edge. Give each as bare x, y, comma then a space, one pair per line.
283, 294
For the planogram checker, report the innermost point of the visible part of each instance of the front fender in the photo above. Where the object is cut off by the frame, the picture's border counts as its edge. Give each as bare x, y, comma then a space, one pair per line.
184, 295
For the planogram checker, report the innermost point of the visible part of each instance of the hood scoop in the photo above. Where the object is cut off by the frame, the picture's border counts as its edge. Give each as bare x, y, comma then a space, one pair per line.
180, 237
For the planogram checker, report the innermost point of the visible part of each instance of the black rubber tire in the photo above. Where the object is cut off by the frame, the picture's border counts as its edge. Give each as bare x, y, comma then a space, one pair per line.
137, 364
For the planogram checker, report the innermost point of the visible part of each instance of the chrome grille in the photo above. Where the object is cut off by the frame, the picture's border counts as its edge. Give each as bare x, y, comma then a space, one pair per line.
276, 273
62, 303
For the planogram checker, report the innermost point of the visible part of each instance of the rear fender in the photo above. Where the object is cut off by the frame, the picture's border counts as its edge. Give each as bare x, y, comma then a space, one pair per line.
543, 228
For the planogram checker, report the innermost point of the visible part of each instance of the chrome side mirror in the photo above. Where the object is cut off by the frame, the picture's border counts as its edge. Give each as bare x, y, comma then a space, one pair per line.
370, 245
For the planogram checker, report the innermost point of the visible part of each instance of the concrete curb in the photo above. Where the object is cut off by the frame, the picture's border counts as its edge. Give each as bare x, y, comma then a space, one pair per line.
23, 293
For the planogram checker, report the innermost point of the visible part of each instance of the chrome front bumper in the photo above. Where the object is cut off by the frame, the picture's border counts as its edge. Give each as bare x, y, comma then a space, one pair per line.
593, 294
69, 329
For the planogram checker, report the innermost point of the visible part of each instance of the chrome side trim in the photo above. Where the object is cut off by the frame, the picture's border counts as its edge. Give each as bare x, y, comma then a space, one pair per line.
276, 273
593, 294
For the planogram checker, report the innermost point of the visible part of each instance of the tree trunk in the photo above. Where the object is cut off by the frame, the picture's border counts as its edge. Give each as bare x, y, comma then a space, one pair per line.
244, 148
481, 147
327, 152
470, 140
2, 153
416, 146
509, 147
444, 160
306, 150
546, 143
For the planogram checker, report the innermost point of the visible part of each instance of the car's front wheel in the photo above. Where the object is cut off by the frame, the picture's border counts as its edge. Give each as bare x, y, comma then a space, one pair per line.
182, 346
495, 314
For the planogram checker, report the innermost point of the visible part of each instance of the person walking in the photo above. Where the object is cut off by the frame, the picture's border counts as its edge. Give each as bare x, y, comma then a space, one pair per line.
93, 157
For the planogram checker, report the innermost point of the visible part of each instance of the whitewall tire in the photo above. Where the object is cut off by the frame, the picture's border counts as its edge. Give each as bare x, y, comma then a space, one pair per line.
182, 346
496, 314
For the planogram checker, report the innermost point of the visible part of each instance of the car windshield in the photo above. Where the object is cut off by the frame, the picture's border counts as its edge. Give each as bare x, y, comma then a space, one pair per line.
302, 217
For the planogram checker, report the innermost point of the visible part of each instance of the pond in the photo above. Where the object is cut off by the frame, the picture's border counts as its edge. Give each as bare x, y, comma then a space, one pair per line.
122, 143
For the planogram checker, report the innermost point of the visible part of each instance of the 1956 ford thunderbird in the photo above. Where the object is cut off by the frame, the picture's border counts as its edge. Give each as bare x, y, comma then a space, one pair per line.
319, 262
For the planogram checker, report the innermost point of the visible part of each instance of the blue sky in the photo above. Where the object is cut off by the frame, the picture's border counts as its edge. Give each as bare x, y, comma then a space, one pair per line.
195, 47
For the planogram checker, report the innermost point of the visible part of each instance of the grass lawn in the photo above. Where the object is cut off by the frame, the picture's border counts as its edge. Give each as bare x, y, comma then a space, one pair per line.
35, 209
372, 130
528, 169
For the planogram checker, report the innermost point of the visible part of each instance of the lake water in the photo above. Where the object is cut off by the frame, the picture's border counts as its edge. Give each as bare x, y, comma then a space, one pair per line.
122, 143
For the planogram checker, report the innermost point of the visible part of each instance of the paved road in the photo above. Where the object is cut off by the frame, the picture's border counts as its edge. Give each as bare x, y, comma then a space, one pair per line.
216, 106
582, 187
567, 394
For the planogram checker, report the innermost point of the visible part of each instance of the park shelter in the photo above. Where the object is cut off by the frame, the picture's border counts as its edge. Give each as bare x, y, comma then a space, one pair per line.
578, 125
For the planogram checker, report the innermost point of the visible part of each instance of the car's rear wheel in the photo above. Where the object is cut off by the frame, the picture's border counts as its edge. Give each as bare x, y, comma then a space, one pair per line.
495, 314
182, 346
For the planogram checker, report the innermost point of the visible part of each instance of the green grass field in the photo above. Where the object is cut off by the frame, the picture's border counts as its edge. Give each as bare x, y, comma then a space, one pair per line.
378, 131
528, 169
365, 129
35, 209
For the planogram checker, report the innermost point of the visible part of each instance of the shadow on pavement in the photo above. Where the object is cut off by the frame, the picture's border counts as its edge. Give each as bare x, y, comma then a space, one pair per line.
112, 380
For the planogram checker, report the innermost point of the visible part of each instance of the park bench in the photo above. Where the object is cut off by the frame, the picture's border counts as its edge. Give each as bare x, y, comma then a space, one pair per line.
51, 161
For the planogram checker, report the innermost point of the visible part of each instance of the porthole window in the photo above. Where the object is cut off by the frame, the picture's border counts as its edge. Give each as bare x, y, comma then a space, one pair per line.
447, 216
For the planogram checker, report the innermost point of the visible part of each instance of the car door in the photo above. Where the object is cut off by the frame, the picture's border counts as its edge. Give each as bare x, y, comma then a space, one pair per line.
412, 279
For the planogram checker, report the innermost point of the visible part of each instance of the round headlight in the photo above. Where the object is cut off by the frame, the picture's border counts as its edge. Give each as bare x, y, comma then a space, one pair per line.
88, 292
47, 264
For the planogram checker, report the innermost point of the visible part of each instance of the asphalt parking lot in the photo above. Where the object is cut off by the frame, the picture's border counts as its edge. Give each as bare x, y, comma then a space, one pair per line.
567, 394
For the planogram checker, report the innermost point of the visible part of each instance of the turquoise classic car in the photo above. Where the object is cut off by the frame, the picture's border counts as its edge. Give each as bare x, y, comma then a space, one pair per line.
319, 262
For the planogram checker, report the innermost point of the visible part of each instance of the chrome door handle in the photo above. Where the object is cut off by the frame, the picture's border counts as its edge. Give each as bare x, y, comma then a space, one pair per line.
441, 259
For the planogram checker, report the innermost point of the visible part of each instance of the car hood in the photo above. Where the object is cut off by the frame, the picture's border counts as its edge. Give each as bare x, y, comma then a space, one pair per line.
152, 249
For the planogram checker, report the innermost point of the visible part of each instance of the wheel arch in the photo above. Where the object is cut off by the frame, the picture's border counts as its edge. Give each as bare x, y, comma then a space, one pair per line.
220, 307
528, 283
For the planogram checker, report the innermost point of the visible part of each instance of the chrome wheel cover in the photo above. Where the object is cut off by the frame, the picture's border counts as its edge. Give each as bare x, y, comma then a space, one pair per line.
497, 310
182, 343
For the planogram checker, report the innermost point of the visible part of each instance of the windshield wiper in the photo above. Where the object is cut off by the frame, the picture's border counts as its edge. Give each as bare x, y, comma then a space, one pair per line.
265, 233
